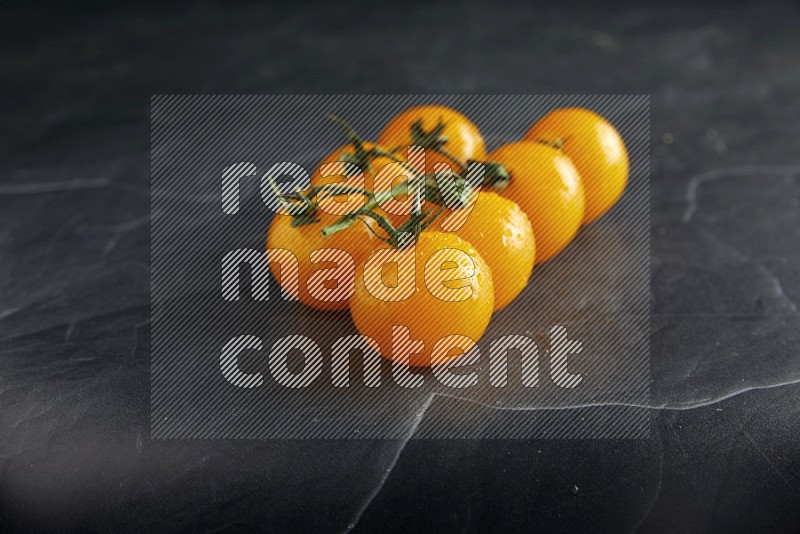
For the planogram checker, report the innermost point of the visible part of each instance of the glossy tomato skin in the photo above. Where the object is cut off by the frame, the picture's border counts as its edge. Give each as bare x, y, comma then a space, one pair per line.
464, 140
427, 317
548, 188
302, 241
595, 148
502, 234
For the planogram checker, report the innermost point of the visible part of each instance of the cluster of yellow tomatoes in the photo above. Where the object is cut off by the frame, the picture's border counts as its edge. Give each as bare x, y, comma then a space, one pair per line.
568, 170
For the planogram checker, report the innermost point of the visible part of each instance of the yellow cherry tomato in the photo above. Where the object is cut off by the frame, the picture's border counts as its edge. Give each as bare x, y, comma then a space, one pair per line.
501, 232
596, 149
546, 185
433, 306
463, 139
315, 270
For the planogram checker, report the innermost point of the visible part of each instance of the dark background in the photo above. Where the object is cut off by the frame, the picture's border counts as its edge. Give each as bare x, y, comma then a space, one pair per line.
724, 80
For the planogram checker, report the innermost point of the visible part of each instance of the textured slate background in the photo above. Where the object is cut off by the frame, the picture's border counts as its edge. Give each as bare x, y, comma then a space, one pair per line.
74, 268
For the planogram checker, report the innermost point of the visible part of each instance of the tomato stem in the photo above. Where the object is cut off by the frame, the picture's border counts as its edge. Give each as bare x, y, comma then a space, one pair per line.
398, 237
368, 209
303, 206
362, 157
496, 177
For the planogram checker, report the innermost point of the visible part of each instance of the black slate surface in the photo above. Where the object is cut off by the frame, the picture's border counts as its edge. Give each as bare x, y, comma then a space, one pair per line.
75, 452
